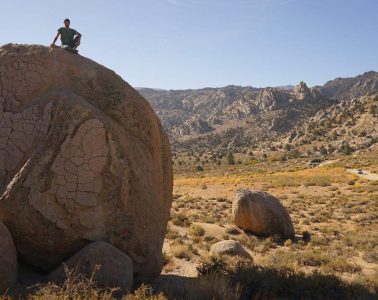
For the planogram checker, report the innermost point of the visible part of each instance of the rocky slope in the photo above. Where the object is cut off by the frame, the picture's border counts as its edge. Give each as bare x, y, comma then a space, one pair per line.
349, 125
346, 88
235, 117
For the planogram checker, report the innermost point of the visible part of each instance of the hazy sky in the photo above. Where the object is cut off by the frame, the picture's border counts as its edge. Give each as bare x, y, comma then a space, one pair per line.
177, 44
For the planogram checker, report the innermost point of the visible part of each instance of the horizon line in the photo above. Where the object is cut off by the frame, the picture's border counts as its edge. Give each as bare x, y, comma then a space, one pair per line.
251, 86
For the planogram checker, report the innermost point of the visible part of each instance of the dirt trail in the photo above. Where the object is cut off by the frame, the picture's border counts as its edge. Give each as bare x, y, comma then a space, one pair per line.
365, 174
328, 162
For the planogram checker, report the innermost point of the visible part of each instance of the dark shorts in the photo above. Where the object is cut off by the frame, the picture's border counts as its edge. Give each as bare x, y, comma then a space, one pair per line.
74, 43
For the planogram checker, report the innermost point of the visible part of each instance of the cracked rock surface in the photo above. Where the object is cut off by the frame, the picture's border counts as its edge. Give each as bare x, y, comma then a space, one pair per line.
83, 158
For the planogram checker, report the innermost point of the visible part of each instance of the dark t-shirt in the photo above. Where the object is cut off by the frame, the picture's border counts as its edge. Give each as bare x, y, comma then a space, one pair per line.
67, 35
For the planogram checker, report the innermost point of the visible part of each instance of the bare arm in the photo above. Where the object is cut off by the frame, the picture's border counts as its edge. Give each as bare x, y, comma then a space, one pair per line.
55, 39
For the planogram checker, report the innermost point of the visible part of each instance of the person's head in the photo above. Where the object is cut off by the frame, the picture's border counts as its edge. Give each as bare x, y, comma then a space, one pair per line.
67, 23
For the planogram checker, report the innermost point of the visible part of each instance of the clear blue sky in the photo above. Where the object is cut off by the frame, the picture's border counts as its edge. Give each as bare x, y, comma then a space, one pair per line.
178, 44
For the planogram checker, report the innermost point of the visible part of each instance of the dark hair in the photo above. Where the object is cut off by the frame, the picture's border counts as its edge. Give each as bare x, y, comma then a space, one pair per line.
67, 20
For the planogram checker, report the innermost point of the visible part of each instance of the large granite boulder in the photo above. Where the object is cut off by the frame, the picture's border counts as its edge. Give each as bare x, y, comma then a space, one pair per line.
8, 260
262, 214
83, 158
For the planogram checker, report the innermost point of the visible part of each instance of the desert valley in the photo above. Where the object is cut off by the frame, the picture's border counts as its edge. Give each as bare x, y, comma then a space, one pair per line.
216, 193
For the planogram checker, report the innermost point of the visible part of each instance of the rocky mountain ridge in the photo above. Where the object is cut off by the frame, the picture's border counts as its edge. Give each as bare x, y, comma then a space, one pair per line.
235, 117
349, 124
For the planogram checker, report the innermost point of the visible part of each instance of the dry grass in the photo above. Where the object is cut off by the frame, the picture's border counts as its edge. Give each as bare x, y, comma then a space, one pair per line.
207, 286
144, 293
310, 177
196, 230
322, 176
76, 286
181, 251
180, 220
79, 287
276, 282
336, 211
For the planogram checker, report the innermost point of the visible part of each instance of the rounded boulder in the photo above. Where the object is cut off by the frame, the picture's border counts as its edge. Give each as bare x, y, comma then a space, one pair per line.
8, 260
108, 266
261, 214
83, 158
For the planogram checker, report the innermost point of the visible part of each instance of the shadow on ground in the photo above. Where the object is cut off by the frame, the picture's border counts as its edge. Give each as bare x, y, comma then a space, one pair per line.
237, 279
257, 282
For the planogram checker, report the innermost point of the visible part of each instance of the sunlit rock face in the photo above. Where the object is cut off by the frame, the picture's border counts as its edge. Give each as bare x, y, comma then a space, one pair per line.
83, 158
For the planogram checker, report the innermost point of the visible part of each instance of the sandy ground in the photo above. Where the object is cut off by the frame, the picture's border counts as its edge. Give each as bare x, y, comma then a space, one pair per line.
328, 162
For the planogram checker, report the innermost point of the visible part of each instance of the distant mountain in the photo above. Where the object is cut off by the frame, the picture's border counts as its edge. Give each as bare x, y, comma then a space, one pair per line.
285, 87
346, 88
236, 117
153, 89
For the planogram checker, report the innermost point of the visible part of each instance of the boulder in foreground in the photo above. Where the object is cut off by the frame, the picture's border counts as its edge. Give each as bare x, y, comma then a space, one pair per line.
8, 260
83, 158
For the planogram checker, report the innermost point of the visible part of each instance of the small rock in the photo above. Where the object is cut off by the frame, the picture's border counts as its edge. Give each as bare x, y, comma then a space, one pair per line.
116, 268
229, 247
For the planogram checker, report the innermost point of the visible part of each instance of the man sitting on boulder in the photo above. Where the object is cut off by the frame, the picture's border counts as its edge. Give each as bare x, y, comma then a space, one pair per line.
69, 37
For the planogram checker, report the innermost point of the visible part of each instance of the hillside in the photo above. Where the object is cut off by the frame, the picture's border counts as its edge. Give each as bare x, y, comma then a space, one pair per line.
239, 118
346, 88
349, 125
